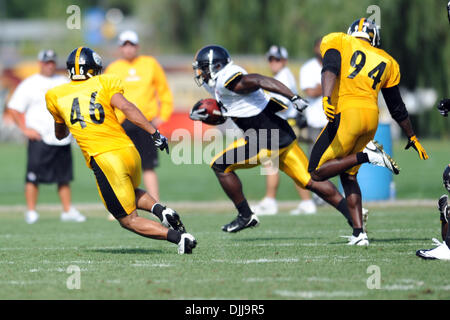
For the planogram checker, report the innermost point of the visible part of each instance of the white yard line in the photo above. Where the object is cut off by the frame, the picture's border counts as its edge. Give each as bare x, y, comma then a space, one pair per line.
318, 294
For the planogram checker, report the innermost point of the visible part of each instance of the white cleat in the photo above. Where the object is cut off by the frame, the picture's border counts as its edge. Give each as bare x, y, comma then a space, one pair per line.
441, 252
171, 220
305, 207
186, 244
365, 216
360, 240
73, 216
266, 207
31, 216
378, 157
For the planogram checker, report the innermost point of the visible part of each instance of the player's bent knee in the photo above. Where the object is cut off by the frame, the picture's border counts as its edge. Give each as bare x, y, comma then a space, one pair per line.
128, 222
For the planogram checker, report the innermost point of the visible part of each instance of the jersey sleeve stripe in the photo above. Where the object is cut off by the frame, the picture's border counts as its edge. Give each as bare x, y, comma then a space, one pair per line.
234, 76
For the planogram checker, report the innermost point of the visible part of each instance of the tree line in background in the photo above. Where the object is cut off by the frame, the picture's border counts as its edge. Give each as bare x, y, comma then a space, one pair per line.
415, 32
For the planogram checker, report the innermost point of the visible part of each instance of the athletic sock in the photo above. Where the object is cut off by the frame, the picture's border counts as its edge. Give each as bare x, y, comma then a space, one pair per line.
244, 209
157, 210
362, 157
343, 208
173, 236
357, 231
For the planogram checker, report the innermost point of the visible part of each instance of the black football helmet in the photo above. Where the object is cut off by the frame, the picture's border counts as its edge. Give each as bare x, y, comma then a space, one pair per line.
367, 29
208, 62
83, 63
448, 11
446, 178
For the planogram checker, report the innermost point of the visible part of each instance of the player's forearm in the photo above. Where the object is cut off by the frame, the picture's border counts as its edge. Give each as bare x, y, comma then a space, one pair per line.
254, 82
328, 83
134, 115
131, 112
407, 127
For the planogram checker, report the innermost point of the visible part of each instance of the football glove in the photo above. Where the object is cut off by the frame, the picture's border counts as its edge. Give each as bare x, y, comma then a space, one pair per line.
413, 142
329, 109
299, 103
444, 107
160, 141
198, 114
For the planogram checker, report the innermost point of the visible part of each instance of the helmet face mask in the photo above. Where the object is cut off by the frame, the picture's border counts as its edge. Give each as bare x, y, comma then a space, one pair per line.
446, 178
83, 63
366, 29
208, 62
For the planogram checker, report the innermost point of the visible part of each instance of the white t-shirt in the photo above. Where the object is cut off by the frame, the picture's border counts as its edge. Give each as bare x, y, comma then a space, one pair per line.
29, 98
286, 77
234, 104
310, 77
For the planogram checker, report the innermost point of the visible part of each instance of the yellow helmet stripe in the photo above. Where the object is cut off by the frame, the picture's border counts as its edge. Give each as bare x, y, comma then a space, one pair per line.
361, 21
77, 57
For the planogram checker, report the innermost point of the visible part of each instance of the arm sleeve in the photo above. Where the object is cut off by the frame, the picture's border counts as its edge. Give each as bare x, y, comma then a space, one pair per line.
332, 61
164, 93
51, 107
395, 103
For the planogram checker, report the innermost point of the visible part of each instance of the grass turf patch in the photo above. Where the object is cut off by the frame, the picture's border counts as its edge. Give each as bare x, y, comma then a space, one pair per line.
287, 257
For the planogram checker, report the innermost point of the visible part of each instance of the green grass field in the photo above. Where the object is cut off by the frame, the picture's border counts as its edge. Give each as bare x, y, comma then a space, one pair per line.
287, 257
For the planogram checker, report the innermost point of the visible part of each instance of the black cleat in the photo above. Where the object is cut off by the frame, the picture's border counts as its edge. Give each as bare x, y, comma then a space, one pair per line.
171, 220
241, 223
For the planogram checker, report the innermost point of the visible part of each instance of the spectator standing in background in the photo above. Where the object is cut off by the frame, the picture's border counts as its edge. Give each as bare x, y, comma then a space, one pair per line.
310, 84
49, 160
146, 86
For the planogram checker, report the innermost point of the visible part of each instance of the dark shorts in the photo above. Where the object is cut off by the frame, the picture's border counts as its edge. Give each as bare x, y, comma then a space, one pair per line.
144, 144
265, 131
48, 164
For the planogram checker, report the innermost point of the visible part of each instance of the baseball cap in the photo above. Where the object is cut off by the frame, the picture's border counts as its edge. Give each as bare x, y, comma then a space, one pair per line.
277, 52
47, 55
129, 36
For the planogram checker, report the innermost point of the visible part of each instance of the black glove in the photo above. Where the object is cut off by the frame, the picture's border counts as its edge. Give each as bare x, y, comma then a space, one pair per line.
160, 141
444, 107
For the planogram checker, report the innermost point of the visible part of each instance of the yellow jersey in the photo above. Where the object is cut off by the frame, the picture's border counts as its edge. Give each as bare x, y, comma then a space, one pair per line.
145, 85
85, 108
364, 71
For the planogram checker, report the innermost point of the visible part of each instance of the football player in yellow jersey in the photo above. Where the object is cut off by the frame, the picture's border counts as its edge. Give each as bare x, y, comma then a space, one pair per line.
354, 70
86, 107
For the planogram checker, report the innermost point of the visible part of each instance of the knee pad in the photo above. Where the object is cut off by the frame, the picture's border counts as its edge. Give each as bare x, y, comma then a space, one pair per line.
446, 178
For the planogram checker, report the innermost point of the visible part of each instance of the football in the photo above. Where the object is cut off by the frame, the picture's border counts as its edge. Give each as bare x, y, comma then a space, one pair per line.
213, 110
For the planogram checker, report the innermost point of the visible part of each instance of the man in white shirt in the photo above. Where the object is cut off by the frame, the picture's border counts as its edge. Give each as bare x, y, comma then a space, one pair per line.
49, 160
278, 59
310, 84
